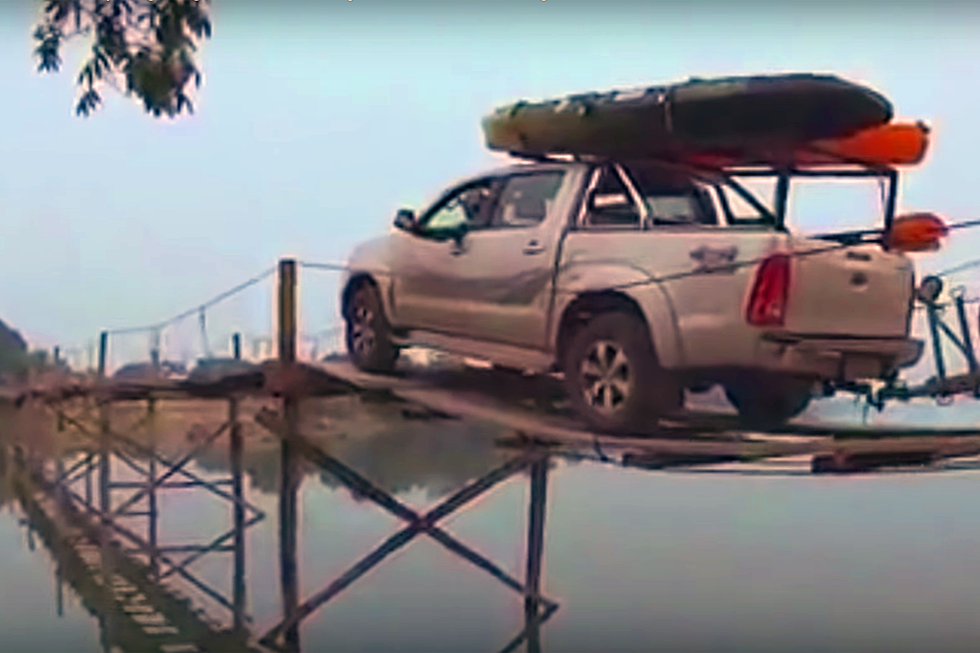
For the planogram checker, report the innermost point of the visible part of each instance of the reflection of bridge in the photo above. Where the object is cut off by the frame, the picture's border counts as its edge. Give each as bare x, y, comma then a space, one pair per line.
136, 612
84, 514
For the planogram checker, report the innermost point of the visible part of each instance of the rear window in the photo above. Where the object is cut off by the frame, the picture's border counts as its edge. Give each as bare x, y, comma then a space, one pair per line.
817, 206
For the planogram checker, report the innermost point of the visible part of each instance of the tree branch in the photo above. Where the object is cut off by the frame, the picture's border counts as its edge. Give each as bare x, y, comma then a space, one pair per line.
148, 44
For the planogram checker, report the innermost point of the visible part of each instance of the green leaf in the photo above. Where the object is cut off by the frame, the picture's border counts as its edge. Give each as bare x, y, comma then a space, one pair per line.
149, 44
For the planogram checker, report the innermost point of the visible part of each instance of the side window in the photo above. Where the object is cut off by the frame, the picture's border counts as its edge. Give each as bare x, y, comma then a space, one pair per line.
526, 199
739, 210
672, 197
610, 205
688, 208
468, 206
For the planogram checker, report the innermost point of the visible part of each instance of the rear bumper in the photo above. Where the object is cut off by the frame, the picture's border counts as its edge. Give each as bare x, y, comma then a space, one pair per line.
838, 359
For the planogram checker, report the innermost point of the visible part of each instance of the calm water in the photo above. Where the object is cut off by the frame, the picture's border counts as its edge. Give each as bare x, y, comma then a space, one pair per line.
638, 560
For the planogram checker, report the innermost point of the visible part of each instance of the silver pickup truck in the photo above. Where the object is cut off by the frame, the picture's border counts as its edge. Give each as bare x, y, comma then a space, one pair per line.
633, 282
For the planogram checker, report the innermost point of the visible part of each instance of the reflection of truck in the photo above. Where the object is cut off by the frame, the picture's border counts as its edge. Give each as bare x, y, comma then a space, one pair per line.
635, 277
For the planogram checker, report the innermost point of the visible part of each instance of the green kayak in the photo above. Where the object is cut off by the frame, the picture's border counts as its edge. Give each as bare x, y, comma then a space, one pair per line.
696, 115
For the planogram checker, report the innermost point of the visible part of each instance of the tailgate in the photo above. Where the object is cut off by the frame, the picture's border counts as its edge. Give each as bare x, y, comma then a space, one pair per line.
854, 291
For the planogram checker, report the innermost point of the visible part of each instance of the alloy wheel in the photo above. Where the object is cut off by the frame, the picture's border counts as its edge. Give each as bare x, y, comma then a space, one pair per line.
607, 377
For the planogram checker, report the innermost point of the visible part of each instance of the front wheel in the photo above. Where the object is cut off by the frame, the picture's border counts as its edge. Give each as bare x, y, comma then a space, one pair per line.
769, 401
613, 378
367, 332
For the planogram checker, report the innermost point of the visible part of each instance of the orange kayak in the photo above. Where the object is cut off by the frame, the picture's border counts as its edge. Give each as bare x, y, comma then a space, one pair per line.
891, 144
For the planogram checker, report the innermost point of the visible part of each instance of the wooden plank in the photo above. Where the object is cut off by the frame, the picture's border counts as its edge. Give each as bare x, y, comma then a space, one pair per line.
691, 440
469, 385
430, 389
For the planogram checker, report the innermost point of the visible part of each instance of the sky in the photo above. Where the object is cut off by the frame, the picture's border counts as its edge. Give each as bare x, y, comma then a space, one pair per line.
318, 120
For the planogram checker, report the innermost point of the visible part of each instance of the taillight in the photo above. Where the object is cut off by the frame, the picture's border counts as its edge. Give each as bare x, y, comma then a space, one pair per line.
770, 292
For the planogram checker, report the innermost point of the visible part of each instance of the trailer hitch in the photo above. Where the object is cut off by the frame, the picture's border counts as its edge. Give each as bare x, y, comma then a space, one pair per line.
942, 386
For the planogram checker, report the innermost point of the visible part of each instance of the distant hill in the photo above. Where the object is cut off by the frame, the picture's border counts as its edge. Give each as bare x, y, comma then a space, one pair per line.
11, 340
13, 351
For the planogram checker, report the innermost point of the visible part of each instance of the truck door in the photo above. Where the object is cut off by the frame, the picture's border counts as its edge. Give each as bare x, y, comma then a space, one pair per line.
502, 277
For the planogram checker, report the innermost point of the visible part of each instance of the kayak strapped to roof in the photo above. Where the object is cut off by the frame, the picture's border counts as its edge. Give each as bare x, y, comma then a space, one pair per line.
805, 118
893, 144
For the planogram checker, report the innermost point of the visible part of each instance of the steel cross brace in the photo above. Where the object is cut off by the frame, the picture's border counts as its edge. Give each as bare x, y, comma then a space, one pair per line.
417, 524
146, 548
174, 467
69, 476
175, 567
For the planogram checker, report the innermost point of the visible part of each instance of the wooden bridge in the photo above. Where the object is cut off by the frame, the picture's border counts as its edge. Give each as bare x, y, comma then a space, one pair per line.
79, 509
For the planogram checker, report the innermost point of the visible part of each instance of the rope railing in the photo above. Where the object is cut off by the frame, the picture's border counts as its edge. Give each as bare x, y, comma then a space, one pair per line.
652, 280
200, 309
217, 299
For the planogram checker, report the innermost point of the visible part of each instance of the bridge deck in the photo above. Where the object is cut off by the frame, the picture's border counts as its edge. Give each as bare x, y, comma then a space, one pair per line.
535, 408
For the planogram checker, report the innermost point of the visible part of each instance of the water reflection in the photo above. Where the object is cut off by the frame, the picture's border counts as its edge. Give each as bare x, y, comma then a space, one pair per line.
6, 486
640, 560
399, 455
128, 591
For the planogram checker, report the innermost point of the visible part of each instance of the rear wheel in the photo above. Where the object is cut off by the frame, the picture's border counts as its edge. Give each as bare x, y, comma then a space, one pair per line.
613, 378
768, 401
367, 332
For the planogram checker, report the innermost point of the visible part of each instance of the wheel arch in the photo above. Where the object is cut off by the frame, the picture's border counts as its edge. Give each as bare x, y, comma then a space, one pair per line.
355, 281
656, 317
382, 285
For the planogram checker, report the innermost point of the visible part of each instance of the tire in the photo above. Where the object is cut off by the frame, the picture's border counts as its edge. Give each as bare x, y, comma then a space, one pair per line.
367, 332
769, 401
612, 376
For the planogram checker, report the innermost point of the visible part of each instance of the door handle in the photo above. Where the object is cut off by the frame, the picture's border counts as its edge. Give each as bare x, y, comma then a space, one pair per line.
533, 247
708, 257
857, 256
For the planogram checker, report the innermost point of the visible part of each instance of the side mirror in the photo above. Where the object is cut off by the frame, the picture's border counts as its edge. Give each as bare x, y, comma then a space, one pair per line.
458, 234
405, 220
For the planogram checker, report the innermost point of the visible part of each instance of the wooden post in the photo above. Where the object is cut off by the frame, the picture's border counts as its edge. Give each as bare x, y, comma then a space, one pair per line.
61, 491
104, 469
155, 349
103, 350
203, 320
535, 552
287, 311
88, 483
235, 453
288, 524
153, 518
60, 589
